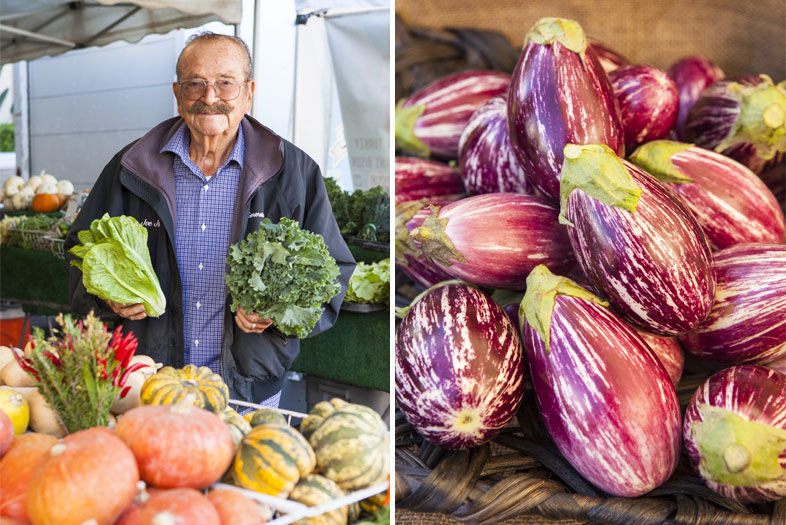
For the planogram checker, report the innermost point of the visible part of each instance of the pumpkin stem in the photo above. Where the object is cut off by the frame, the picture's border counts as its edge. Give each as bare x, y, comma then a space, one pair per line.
183, 406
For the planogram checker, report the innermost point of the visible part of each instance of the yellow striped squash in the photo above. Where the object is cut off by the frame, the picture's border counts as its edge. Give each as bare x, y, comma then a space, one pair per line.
315, 490
318, 414
170, 385
272, 458
236, 423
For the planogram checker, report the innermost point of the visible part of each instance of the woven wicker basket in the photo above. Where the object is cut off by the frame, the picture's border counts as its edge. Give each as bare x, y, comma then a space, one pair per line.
520, 478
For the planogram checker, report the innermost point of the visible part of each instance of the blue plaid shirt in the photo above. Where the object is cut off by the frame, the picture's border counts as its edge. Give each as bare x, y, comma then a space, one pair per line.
204, 216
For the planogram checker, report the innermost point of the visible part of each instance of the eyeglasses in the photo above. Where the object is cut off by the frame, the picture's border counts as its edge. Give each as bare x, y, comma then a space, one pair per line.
224, 89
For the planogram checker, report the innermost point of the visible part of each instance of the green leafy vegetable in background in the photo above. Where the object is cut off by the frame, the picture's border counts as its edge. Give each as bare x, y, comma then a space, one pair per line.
370, 283
32, 223
283, 273
364, 213
115, 263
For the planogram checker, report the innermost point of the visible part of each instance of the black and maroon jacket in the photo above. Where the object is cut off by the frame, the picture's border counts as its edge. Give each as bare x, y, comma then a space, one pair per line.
278, 180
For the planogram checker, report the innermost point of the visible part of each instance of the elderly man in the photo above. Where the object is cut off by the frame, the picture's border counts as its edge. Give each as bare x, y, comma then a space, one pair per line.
199, 183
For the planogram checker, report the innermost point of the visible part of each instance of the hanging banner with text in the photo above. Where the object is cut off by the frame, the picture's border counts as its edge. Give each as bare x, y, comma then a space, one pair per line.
359, 48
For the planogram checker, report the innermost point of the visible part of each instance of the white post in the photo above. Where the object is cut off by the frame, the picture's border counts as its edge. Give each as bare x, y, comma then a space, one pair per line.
21, 119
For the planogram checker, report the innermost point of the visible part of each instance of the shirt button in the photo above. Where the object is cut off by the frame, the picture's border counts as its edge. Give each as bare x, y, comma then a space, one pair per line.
198, 305
200, 267
206, 187
196, 342
203, 226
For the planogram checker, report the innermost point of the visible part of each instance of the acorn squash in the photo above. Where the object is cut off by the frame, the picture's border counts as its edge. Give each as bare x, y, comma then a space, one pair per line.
237, 424
170, 385
272, 458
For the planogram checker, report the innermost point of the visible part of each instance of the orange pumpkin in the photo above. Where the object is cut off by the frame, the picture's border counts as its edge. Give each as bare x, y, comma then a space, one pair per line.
183, 505
177, 445
235, 508
47, 202
88, 475
16, 469
6, 432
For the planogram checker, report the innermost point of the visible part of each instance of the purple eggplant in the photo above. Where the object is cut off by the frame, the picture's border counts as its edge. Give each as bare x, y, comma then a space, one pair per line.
692, 75
430, 121
747, 110
637, 243
609, 59
747, 323
731, 204
668, 351
735, 433
496, 239
607, 402
486, 158
409, 257
425, 179
559, 95
648, 102
459, 367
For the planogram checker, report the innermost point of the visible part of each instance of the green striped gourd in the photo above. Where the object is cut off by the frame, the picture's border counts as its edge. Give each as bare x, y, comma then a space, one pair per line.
170, 385
272, 458
315, 490
373, 504
318, 414
265, 415
352, 447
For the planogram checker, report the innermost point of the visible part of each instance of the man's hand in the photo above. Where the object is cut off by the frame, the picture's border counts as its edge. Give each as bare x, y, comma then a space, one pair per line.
251, 323
134, 312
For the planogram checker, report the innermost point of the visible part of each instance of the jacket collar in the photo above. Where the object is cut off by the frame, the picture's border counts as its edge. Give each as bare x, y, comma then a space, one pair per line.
263, 159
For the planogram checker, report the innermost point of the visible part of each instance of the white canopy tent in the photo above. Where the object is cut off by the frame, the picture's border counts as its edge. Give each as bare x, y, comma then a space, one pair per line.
30, 29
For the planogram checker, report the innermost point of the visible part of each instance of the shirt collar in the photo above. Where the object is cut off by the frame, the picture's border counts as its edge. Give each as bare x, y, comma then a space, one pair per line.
181, 140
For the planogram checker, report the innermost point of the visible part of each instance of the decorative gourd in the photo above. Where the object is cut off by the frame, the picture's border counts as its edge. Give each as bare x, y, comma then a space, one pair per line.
15, 406
177, 445
265, 415
315, 490
352, 447
6, 432
16, 469
238, 426
272, 458
373, 504
318, 414
88, 475
47, 202
169, 385
173, 507
236, 509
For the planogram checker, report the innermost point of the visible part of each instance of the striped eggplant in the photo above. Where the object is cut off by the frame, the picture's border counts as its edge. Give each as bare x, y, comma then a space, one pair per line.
638, 245
747, 323
735, 433
496, 239
486, 158
559, 94
607, 402
459, 367
409, 257
668, 351
731, 204
692, 75
648, 102
416, 179
741, 111
430, 121
609, 59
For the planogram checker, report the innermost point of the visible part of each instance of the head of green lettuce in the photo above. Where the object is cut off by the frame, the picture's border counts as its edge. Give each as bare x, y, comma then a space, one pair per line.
115, 263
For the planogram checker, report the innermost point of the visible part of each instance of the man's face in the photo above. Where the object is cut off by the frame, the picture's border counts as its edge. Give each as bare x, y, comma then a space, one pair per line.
213, 61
